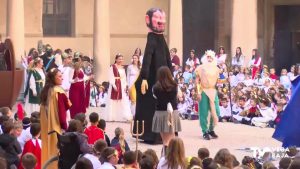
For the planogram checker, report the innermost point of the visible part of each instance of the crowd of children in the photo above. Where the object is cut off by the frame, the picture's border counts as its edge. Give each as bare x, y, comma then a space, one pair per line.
20, 146
256, 101
96, 151
259, 101
252, 99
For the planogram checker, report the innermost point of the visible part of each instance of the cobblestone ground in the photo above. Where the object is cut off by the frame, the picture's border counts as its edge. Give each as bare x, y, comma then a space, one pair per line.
231, 136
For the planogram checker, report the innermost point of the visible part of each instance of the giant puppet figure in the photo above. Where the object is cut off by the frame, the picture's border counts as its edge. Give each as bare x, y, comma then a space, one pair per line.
206, 76
156, 55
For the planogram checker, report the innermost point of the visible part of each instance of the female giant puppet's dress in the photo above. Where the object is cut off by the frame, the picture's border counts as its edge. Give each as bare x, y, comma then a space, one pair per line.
288, 129
53, 118
118, 105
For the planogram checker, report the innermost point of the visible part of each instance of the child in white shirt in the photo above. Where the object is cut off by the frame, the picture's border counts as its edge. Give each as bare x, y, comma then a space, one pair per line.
284, 79
239, 106
248, 81
225, 111
266, 112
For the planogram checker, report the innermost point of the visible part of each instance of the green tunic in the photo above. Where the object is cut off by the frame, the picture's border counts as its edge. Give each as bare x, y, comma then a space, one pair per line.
39, 83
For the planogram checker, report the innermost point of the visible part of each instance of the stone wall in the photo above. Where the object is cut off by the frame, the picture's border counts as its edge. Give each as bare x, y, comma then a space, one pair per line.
127, 24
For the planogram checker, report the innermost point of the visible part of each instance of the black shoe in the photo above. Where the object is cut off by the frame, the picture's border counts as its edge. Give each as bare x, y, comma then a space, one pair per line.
206, 136
213, 134
247, 122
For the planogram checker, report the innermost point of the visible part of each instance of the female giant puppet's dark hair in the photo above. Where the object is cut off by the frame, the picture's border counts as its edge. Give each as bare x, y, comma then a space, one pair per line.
50, 82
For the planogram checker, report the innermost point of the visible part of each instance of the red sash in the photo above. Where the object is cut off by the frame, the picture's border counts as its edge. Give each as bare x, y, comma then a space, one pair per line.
256, 69
116, 94
195, 62
256, 60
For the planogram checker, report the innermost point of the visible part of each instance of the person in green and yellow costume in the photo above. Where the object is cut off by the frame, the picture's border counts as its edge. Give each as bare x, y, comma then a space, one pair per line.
34, 85
206, 78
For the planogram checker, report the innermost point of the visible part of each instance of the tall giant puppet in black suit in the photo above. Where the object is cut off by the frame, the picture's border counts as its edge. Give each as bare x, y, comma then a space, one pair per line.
156, 55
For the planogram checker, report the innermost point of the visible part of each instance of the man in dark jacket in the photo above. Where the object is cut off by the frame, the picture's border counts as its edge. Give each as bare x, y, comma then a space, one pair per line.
48, 59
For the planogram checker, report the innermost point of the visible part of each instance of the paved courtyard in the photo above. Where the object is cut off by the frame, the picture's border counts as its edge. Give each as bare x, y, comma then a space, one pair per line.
231, 136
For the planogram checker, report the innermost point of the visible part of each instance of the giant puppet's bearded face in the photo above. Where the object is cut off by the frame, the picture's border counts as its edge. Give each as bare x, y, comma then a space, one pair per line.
156, 20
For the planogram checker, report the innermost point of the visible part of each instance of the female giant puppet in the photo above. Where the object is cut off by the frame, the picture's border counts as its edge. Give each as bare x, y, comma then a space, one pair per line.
156, 55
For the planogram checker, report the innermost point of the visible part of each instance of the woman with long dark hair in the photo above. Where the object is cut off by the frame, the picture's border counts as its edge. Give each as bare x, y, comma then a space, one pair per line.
221, 57
139, 53
255, 63
193, 61
54, 105
165, 121
118, 105
78, 88
238, 58
133, 71
175, 157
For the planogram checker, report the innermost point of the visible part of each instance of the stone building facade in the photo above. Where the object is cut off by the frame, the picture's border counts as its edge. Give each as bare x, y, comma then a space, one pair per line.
102, 28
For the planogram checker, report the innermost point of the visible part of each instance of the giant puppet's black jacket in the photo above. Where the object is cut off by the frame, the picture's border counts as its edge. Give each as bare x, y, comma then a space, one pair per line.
156, 55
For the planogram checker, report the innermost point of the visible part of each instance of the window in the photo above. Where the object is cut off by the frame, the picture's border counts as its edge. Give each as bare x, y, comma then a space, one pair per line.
57, 17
